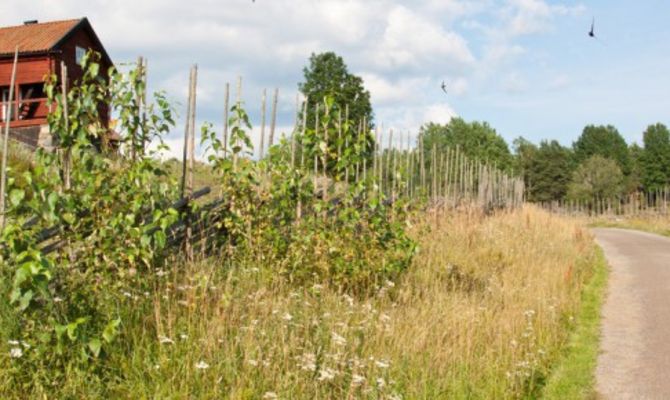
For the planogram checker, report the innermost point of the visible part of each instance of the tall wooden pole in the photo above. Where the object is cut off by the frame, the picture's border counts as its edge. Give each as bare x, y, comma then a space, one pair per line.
238, 103
5, 144
274, 118
226, 108
67, 162
263, 101
191, 125
296, 126
187, 131
316, 154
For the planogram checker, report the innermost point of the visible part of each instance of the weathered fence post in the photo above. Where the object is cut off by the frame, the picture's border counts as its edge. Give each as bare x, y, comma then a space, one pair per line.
5, 144
262, 146
274, 118
226, 105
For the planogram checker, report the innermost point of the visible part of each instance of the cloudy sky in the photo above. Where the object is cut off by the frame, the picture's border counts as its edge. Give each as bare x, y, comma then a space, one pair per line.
525, 66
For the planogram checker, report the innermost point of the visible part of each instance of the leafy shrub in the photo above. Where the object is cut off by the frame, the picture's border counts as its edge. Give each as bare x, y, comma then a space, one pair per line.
111, 213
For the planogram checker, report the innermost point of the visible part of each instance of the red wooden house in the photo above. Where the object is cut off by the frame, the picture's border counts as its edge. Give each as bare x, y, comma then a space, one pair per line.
42, 48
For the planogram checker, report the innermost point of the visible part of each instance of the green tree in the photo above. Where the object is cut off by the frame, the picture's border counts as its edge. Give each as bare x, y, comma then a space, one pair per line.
605, 141
477, 140
345, 116
655, 158
633, 182
548, 172
524, 154
596, 178
328, 76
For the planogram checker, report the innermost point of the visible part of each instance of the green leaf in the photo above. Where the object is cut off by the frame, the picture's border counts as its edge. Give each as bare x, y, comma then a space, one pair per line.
51, 200
60, 330
160, 239
95, 345
111, 330
15, 197
25, 300
69, 218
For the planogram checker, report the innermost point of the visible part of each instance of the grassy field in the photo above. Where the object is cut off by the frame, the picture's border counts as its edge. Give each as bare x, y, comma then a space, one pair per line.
485, 311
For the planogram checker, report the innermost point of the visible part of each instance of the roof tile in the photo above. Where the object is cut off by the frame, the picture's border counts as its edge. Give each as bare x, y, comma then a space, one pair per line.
34, 38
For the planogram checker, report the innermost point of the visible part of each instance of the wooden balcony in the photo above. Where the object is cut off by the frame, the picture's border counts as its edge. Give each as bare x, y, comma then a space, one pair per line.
26, 112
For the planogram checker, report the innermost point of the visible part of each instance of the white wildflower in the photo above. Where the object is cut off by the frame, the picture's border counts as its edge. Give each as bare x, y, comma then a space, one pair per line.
165, 340
308, 362
287, 317
337, 339
13, 342
270, 396
202, 365
382, 364
381, 382
326, 374
57, 299
15, 352
253, 363
183, 336
127, 294
357, 380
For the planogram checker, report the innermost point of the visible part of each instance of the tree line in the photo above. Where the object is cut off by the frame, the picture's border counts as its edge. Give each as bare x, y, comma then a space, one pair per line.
598, 165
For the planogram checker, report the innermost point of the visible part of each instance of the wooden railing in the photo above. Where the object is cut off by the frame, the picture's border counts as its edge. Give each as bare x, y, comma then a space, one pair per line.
26, 112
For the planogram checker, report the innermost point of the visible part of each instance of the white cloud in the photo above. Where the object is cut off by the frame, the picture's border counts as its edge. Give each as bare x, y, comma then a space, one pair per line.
402, 49
384, 92
534, 16
410, 40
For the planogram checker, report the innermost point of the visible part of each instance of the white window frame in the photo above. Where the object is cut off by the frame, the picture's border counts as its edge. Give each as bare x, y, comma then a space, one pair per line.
5, 103
79, 53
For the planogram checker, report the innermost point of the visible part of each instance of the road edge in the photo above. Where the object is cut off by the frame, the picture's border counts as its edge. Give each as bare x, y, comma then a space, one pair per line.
574, 374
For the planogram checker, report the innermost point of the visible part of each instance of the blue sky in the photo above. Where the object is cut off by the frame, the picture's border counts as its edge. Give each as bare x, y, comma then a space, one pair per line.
525, 66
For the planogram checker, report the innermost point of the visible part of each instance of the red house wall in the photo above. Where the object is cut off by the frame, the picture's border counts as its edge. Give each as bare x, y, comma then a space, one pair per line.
29, 69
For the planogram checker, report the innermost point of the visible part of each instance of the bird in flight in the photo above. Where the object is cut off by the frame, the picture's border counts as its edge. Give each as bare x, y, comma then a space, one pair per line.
444, 87
593, 26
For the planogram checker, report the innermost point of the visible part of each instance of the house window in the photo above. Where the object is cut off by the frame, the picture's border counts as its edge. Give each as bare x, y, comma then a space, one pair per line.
80, 52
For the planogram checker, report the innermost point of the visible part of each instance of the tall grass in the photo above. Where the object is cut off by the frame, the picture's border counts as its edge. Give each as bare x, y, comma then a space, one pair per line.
482, 313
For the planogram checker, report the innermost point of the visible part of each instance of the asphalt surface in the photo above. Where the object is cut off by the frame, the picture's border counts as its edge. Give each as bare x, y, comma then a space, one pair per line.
634, 362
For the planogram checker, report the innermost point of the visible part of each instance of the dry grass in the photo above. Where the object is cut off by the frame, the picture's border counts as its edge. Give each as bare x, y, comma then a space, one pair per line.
482, 313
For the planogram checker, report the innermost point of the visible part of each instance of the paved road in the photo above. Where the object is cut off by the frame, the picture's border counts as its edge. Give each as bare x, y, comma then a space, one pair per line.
634, 362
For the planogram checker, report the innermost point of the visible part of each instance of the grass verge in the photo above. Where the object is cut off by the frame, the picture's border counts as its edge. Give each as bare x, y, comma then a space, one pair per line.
574, 376
657, 224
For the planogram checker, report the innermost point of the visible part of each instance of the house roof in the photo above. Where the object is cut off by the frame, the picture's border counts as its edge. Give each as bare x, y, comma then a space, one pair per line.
34, 38
37, 38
